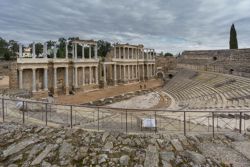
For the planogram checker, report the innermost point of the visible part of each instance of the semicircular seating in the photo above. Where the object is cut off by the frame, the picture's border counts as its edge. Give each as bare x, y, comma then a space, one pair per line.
199, 90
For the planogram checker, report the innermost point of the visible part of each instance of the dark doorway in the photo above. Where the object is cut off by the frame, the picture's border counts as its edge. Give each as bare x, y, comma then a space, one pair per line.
170, 76
231, 71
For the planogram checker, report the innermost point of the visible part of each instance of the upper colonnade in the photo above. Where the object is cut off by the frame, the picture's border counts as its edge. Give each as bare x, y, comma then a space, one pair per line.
128, 52
73, 51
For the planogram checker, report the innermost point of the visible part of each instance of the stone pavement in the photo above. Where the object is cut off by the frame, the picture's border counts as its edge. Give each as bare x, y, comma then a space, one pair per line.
85, 97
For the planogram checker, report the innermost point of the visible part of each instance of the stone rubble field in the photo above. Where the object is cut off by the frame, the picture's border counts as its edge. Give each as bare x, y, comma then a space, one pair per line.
23, 145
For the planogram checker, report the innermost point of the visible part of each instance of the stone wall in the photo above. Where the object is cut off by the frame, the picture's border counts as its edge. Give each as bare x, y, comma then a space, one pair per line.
233, 61
166, 63
13, 80
5, 67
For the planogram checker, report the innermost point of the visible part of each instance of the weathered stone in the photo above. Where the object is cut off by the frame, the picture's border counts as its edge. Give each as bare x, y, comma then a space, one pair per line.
104, 136
166, 164
167, 156
15, 148
108, 146
45, 164
126, 141
177, 145
59, 141
197, 158
65, 150
102, 158
152, 157
12, 165
124, 160
37, 148
42, 155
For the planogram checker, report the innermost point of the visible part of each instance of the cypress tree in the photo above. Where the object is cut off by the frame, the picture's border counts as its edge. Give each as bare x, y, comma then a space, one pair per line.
233, 38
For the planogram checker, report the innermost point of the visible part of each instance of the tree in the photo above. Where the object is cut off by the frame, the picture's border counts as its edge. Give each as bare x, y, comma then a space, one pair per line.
3, 47
168, 54
13, 45
39, 48
103, 48
61, 47
233, 43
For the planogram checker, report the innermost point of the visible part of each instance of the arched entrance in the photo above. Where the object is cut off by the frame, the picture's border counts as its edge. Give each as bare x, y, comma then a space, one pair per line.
160, 74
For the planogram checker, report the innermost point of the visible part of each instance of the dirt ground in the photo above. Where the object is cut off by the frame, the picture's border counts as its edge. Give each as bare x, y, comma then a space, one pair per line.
85, 97
4, 82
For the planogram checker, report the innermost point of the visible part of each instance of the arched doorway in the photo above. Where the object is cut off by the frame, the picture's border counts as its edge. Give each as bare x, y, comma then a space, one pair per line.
160, 74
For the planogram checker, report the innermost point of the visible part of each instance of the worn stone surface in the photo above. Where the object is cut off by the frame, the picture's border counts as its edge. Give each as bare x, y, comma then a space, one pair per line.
152, 157
42, 155
51, 147
177, 145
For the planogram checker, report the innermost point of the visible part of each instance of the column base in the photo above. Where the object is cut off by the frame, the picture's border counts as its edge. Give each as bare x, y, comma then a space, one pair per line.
67, 90
55, 92
105, 84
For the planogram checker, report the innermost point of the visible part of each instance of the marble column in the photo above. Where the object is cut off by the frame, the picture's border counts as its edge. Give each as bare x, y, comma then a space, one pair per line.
20, 50
124, 73
55, 80
76, 78
142, 54
114, 52
20, 78
67, 50
54, 52
133, 74
95, 51
148, 71
33, 80
45, 79
66, 80
45, 50
33, 50
89, 51
129, 74
143, 73
120, 56
124, 53
120, 72
76, 51
83, 56
73, 51
115, 75
132, 53
147, 54
138, 71
83, 76
104, 75
90, 75
96, 76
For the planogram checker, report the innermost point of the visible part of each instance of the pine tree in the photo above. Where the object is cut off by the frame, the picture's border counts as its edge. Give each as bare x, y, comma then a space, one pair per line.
233, 38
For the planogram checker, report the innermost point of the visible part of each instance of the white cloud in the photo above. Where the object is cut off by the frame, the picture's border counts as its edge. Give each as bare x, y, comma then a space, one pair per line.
167, 25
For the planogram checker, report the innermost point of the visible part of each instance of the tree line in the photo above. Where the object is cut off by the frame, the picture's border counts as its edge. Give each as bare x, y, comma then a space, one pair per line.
9, 49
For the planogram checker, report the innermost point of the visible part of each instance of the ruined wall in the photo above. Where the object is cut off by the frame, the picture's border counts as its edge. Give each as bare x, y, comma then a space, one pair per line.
5, 67
13, 77
233, 61
165, 63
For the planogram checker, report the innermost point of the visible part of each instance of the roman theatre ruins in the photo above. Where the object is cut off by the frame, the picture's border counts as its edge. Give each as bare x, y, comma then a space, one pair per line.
75, 73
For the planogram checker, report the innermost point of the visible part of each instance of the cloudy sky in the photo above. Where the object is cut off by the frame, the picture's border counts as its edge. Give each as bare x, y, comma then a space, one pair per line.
166, 25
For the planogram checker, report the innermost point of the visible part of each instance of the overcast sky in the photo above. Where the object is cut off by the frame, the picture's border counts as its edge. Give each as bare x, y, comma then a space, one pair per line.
166, 25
